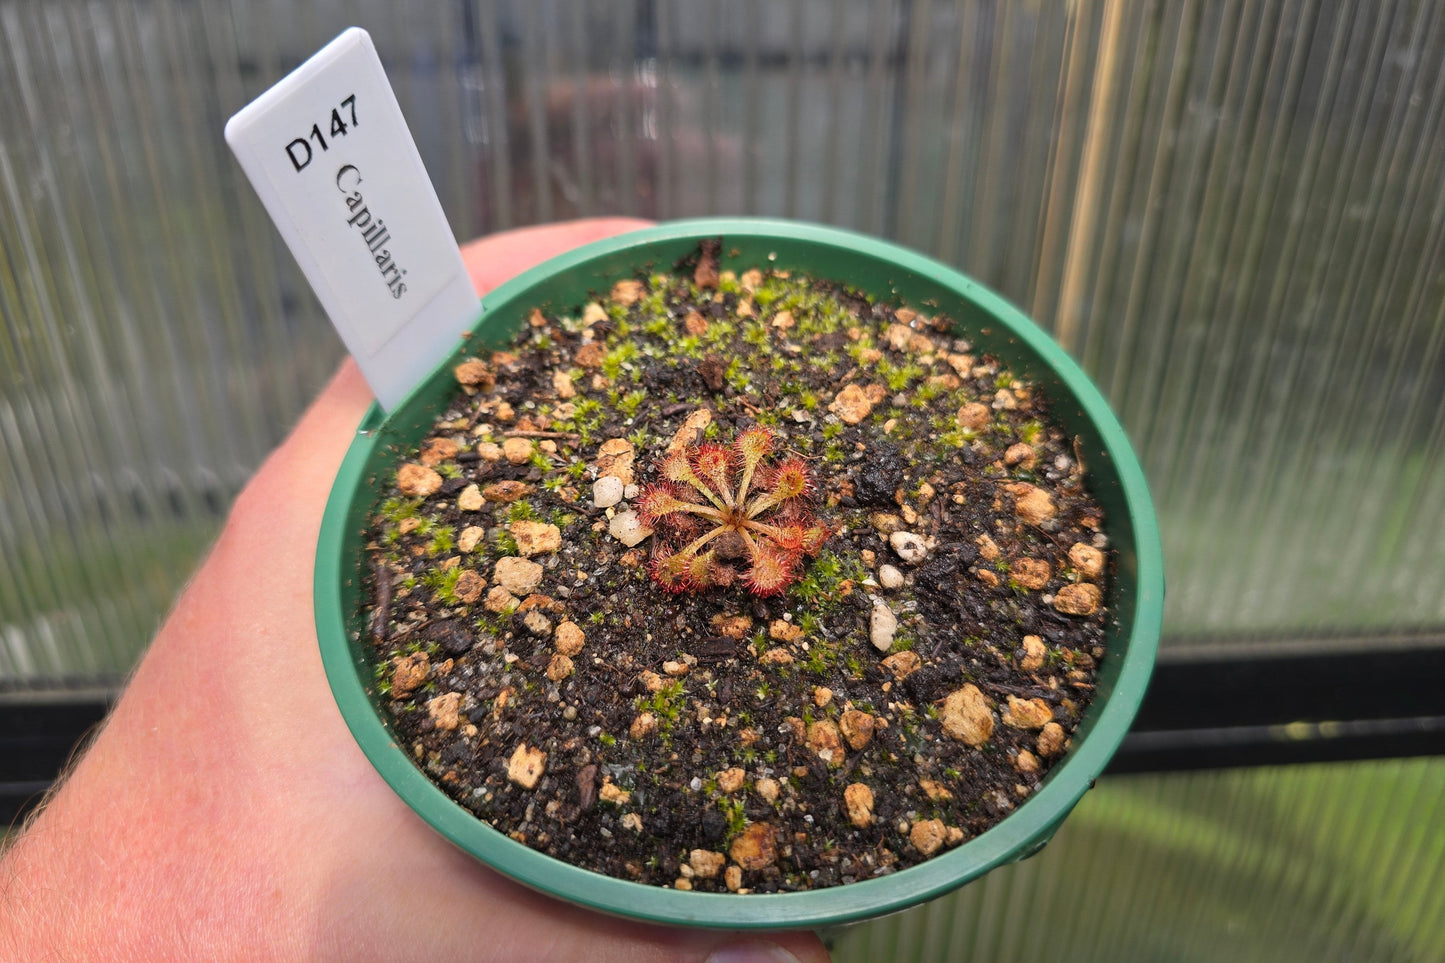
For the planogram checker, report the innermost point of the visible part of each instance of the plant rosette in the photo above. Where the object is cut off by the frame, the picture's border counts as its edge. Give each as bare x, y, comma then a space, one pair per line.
689, 544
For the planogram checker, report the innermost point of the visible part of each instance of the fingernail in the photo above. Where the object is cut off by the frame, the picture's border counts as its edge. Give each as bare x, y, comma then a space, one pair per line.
752, 952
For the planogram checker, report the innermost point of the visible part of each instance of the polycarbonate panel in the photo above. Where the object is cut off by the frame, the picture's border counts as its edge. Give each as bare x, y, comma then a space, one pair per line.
1231, 212
1304, 863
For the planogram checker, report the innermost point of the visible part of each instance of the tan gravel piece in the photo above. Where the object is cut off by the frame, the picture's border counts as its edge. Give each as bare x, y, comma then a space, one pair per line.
858, 800
781, 630
973, 416
470, 499
1080, 599
1033, 505
851, 405
928, 836
1088, 560
469, 587
1034, 653
568, 639
444, 710
691, 430
755, 847
504, 492
518, 451
500, 601
628, 291
559, 667
826, 741
967, 717
1021, 455
732, 626
535, 538
417, 481
409, 675
434, 451
616, 457
643, 726
519, 576
903, 664
1051, 740
470, 538
1026, 713
1031, 573
731, 780
857, 728
526, 766
705, 863
475, 374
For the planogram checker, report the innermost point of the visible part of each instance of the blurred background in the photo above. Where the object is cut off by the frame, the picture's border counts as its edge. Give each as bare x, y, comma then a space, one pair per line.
1230, 212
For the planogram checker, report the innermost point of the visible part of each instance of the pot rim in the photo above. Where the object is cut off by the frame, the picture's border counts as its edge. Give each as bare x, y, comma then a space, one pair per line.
1016, 836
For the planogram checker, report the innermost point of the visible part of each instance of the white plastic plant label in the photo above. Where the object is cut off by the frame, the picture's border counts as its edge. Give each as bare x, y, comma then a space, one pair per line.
330, 155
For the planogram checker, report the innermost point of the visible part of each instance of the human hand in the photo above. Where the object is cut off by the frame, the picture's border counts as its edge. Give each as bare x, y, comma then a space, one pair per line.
224, 811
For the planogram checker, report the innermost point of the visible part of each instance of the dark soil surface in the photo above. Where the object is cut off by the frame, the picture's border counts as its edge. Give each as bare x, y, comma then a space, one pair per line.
911, 686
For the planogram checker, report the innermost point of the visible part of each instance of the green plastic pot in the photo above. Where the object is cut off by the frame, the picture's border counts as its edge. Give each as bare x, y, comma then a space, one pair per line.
1134, 596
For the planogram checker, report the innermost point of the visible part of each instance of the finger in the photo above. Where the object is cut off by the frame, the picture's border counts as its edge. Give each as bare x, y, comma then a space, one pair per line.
500, 257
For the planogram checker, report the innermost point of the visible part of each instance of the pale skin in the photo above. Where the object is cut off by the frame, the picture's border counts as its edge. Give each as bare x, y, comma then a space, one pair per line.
224, 812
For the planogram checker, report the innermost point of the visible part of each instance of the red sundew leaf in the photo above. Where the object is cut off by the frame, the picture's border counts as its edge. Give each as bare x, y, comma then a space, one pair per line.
773, 570
753, 445
791, 479
700, 571
712, 464
675, 467
670, 570
814, 536
790, 536
657, 501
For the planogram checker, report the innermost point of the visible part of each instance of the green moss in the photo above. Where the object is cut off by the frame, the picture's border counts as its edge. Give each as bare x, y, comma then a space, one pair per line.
397, 508
444, 583
443, 540
898, 377
522, 511
631, 402
620, 356
736, 813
